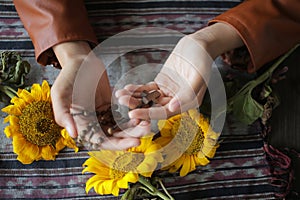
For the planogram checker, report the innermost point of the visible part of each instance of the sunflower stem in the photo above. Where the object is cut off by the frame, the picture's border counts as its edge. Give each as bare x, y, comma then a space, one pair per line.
147, 190
10, 92
165, 190
129, 194
152, 190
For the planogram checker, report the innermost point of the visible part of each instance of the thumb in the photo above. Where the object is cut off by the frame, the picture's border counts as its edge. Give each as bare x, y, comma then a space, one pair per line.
64, 118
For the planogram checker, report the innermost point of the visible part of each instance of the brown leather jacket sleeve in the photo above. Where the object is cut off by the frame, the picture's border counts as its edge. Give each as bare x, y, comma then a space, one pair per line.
268, 28
51, 22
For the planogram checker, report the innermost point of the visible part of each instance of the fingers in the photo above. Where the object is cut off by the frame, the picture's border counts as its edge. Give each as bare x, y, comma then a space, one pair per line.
95, 135
182, 102
135, 90
120, 143
142, 129
154, 113
126, 98
136, 96
127, 138
139, 88
121, 140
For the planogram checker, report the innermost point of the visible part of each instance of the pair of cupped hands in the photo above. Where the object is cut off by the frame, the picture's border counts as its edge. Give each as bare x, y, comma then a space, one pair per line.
182, 81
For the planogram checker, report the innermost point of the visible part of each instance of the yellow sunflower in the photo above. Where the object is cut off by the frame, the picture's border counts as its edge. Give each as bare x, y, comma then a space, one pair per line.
115, 169
188, 141
32, 127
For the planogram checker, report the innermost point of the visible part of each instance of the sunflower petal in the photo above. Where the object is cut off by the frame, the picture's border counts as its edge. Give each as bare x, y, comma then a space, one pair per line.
14, 121
19, 144
131, 177
105, 157
186, 166
146, 142
6, 119
11, 131
91, 161
147, 167
32, 151
46, 91
108, 186
102, 172
18, 102
163, 141
202, 161
68, 141
194, 114
99, 187
36, 92
60, 144
177, 164
91, 183
24, 159
48, 153
26, 96
209, 151
12, 110
122, 183
115, 190
152, 148
26, 151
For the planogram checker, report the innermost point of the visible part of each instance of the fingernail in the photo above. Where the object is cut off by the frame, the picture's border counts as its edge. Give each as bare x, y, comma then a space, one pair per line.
117, 93
130, 115
144, 123
70, 131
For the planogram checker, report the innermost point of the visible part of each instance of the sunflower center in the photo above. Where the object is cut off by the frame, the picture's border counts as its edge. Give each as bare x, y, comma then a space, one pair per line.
43, 125
37, 124
188, 134
125, 163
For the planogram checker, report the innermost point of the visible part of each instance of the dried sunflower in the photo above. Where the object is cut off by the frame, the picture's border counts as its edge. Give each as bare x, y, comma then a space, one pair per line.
32, 126
188, 141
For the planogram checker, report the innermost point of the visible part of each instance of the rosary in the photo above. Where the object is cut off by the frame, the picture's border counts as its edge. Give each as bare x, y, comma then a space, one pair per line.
109, 118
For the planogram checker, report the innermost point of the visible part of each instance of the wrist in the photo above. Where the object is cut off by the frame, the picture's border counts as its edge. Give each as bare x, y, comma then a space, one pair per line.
74, 51
218, 39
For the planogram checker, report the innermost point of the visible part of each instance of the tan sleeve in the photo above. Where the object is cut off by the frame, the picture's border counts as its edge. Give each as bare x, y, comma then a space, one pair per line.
52, 22
268, 28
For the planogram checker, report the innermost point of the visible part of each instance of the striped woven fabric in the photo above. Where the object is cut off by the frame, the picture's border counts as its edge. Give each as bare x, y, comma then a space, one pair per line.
240, 170
241, 167
111, 17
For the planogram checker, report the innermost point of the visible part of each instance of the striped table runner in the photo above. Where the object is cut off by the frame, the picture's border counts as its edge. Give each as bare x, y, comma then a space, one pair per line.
241, 168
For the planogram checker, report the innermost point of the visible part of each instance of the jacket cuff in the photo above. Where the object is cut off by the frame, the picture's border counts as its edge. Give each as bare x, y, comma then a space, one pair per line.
53, 22
265, 28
